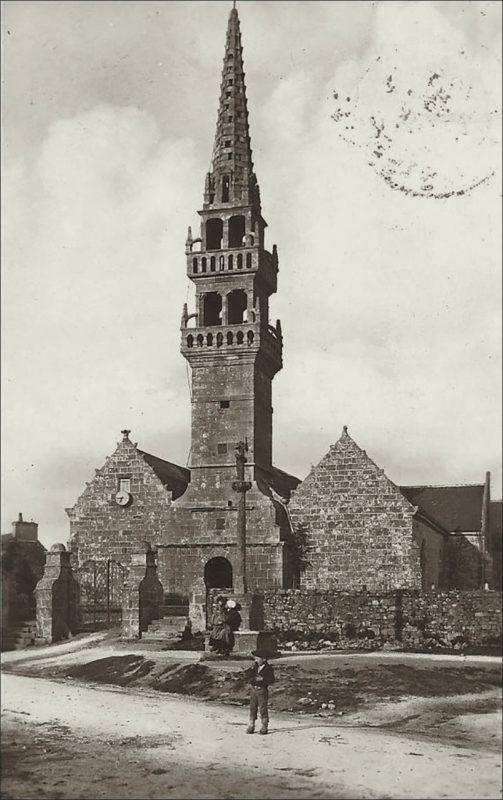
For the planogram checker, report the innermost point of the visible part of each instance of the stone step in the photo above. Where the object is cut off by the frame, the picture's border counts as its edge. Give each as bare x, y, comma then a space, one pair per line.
168, 623
174, 611
18, 636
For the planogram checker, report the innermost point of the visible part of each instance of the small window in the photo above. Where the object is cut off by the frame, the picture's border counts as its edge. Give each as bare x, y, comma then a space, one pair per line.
124, 484
224, 403
221, 448
220, 524
228, 143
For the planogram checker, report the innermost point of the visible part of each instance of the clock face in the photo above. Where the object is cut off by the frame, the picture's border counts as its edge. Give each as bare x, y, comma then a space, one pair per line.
122, 498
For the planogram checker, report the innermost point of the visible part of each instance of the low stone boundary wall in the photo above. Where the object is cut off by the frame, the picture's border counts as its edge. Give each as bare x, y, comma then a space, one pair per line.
452, 619
457, 619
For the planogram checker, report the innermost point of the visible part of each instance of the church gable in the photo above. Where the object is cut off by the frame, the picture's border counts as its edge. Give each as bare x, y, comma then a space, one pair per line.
356, 523
126, 503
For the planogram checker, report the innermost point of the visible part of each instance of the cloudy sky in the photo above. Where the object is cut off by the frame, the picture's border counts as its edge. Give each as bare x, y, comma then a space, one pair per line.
375, 128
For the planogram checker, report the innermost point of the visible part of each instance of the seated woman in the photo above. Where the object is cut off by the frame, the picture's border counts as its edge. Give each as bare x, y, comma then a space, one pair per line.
220, 630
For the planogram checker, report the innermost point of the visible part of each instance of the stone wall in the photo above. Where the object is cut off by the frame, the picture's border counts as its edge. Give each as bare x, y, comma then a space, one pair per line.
455, 618
451, 619
465, 560
23, 564
356, 523
181, 566
101, 529
433, 549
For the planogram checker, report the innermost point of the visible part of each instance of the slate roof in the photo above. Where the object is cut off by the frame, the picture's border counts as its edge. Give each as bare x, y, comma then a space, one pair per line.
172, 476
282, 482
456, 508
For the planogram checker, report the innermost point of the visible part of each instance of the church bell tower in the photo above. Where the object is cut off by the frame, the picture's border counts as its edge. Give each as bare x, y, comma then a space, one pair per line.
233, 350
234, 353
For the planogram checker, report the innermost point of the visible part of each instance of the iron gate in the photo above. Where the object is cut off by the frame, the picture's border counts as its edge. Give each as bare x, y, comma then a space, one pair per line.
101, 588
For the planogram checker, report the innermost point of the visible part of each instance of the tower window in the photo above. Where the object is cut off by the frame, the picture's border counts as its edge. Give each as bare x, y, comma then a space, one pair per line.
224, 403
228, 94
237, 303
231, 261
221, 448
214, 233
220, 524
225, 192
236, 231
240, 261
248, 260
212, 309
229, 81
228, 143
194, 264
203, 264
229, 119
213, 263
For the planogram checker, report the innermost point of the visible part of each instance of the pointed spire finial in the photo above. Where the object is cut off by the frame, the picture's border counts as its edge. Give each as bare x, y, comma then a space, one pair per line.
345, 430
232, 178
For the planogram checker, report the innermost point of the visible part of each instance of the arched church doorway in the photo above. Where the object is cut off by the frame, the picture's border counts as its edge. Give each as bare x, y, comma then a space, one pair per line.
218, 573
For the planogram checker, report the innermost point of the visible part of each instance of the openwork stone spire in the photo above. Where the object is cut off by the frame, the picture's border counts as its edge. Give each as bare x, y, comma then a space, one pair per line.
231, 180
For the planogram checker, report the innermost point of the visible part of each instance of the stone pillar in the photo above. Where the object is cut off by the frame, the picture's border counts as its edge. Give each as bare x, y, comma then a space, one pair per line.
197, 607
57, 594
225, 312
241, 487
143, 594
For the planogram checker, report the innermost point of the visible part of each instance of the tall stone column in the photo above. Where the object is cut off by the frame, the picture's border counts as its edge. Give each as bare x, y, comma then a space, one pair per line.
241, 487
57, 594
143, 594
197, 607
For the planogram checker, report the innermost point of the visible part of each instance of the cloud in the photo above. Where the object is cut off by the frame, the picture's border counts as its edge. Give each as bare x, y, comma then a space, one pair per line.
92, 295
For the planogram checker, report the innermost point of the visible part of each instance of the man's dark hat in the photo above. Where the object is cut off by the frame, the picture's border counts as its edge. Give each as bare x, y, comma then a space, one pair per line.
260, 652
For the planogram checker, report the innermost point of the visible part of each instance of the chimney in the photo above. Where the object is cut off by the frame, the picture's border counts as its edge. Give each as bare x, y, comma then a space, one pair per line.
24, 531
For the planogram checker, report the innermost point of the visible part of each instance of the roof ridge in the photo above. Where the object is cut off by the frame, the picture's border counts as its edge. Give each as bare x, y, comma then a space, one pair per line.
159, 458
438, 485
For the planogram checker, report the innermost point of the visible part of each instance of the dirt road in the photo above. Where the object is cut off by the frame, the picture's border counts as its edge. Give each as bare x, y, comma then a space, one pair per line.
66, 740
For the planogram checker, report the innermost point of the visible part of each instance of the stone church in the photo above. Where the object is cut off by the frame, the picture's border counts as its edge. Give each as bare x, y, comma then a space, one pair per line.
346, 525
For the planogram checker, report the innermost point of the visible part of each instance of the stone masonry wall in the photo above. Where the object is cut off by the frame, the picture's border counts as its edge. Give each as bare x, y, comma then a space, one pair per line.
180, 567
452, 619
101, 529
465, 560
356, 523
433, 547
